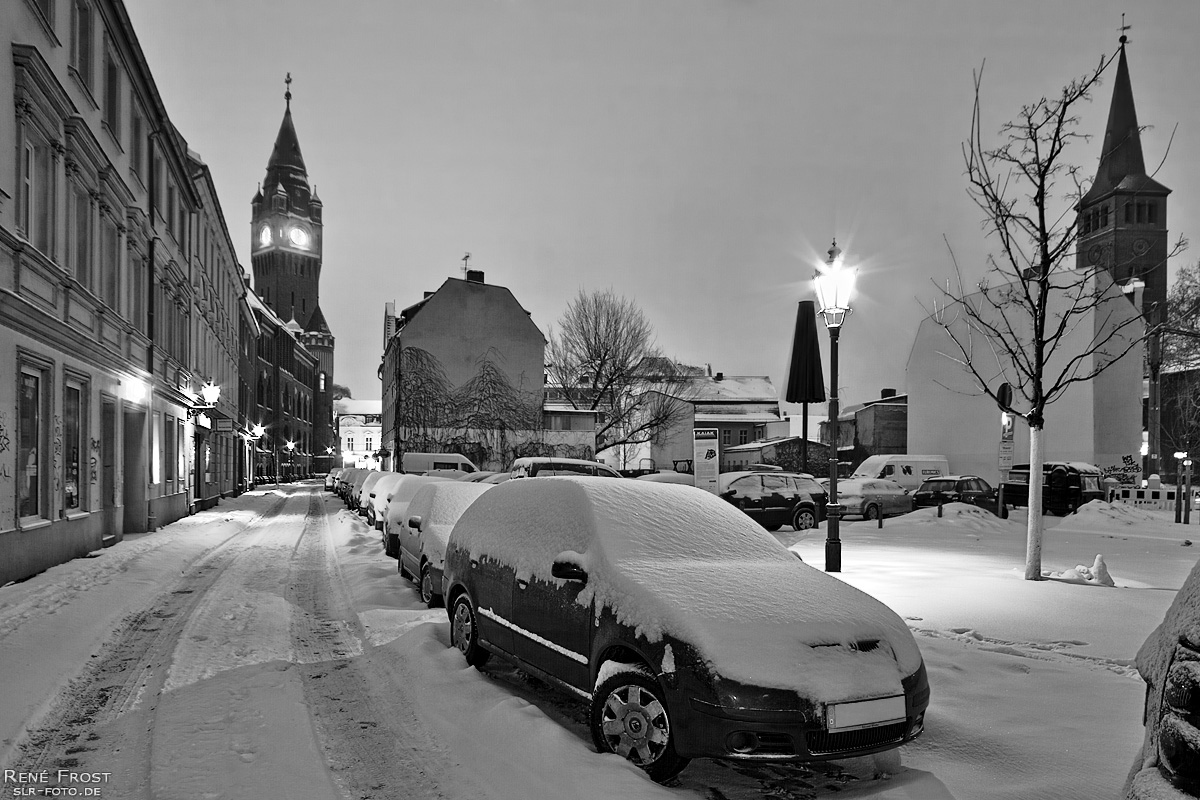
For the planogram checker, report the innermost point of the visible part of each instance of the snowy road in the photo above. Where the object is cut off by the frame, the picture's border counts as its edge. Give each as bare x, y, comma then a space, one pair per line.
268, 649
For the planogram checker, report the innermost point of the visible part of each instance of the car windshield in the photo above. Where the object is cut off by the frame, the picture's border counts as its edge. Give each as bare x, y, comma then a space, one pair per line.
938, 486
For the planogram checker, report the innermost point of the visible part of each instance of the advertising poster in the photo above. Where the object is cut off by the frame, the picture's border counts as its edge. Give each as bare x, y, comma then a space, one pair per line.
706, 464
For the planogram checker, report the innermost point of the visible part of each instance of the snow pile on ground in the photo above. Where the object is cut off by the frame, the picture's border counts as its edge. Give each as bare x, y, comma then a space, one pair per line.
1098, 512
963, 516
1096, 575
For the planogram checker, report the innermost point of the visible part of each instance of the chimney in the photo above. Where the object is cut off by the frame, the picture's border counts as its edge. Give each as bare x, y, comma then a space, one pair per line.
884, 394
475, 275
720, 376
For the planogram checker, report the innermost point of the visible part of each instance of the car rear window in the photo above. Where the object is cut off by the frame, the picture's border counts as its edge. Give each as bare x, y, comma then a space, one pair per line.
938, 486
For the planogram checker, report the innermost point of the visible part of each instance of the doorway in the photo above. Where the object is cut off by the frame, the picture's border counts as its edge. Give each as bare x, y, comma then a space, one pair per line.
134, 475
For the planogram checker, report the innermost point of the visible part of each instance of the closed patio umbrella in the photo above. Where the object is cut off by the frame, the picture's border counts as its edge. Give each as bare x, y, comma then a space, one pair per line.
806, 382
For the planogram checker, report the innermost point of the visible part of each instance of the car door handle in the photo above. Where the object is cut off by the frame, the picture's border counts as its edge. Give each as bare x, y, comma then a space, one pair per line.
522, 583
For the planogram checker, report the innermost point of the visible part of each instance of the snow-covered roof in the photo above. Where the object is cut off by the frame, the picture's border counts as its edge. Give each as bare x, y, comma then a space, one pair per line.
736, 416
349, 405
733, 388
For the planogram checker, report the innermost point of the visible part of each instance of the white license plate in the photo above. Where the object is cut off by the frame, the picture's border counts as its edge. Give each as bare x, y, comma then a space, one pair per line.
864, 713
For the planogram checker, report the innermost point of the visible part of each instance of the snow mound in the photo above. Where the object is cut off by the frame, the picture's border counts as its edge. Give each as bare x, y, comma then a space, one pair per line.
959, 517
1096, 575
1098, 511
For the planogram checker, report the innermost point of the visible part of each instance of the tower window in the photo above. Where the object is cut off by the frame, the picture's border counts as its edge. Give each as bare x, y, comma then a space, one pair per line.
1152, 213
1104, 216
1141, 212
1128, 213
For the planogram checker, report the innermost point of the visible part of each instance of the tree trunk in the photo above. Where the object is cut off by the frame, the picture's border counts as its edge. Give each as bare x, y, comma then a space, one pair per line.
1034, 529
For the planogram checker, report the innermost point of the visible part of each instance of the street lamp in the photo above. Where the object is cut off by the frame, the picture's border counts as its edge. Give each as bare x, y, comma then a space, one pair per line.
291, 448
834, 284
1181, 457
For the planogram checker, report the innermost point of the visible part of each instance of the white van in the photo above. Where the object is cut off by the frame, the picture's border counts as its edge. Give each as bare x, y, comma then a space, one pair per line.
420, 463
906, 470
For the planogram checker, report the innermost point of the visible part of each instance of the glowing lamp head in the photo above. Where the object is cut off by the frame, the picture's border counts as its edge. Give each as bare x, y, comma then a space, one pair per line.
834, 284
211, 393
291, 446
257, 431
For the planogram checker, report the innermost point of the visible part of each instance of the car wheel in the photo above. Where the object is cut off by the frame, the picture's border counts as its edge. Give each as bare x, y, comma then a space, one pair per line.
804, 519
464, 632
628, 717
774, 526
428, 594
872, 512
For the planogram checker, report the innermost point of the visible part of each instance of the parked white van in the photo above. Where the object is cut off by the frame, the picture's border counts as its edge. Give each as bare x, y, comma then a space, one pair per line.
907, 470
420, 463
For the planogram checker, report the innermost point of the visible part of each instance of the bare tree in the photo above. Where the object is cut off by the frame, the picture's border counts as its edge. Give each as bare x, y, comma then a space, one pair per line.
603, 357
1038, 321
490, 411
1181, 362
425, 405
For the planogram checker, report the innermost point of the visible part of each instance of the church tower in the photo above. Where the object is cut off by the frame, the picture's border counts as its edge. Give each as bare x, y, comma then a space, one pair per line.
285, 254
1123, 228
1123, 217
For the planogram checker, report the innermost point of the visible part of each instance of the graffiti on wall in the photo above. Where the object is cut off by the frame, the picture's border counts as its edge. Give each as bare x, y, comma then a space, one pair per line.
5, 444
58, 454
94, 461
1127, 471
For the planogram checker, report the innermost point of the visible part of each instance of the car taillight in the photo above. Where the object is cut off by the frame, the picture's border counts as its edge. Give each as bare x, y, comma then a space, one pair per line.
1178, 734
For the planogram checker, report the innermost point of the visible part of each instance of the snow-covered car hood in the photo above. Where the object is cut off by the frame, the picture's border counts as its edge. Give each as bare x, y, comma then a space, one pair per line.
774, 624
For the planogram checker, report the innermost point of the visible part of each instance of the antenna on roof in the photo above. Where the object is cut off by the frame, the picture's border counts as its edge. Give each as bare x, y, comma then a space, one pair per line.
465, 260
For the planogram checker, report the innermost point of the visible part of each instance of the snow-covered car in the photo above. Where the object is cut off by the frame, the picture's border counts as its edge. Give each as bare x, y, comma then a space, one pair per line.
669, 476
355, 487
690, 630
475, 477
396, 511
331, 478
377, 509
1168, 764
364, 492
946, 489
871, 498
544, 466
432, 513
346, 481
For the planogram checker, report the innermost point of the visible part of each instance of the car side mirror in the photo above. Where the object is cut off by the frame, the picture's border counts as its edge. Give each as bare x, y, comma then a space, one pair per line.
414, 522
568, 571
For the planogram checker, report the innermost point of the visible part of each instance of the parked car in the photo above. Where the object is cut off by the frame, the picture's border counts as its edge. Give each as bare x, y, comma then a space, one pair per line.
669, 476
395, 514
688, 629
421, 463
499, 477
331, 477
475, 477
364, 492
907, 470
345, 480
775, 498
432, 512
1168, 763
377, 510
970, 489
533, 466
1066, 485
871, 498
354, 489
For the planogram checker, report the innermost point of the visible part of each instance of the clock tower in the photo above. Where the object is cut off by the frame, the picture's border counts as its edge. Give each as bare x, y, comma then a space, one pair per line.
287, 239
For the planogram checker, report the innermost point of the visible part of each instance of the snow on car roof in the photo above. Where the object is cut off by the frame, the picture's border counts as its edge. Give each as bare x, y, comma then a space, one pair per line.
443, 502
668, 560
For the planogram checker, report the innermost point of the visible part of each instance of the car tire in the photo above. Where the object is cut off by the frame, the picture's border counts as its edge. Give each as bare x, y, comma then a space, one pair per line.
804, 519
428, 595
464, 631
774, 526
872, 512
629, 717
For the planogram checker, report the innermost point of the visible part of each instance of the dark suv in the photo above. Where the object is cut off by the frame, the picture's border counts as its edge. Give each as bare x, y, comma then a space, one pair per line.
774, 499
970, 489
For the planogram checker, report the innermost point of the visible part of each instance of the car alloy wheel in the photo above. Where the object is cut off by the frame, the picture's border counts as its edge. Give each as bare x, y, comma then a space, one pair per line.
872, 512
464, 632
804, 519
629, 718
428, 595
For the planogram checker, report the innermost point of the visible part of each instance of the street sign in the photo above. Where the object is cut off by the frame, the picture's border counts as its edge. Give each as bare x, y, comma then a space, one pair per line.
1006, 442
706, 464
224, 425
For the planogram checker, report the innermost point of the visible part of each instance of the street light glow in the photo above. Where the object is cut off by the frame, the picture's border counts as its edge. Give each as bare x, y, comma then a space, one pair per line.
834, 284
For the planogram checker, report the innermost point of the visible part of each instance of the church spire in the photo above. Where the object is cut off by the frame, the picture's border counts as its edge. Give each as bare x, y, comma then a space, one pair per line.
286, 165
1122, 165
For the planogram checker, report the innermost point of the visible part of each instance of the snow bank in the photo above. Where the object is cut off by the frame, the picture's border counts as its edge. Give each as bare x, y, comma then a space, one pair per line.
958, 517
1096, 575
671, 561
1100, 513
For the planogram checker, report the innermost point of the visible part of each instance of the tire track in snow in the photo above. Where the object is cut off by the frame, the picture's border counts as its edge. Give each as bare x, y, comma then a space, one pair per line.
1057, 651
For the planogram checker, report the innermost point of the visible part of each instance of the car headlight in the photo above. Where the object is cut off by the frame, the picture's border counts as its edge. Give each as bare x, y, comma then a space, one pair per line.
1178, 734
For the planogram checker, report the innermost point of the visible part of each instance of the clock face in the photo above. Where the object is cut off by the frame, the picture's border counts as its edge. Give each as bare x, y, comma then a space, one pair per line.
1140, 247
264, 235
299, 237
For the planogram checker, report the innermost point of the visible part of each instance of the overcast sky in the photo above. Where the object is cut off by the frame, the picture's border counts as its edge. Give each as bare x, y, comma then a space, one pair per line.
696, 156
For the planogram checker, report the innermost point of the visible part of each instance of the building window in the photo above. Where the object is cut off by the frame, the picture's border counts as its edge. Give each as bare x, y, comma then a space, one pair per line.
742, 436
112, 94
1151, 213
349, 442
1104, 216
74, 444
110, 264
81, 235
37, 192
369, 442
31, 453
321, 385
169, 445
81, 40
726, 436
137, 149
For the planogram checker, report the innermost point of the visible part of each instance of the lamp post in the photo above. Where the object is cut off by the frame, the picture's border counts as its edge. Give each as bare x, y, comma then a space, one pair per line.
291, 448
1181, 458
834, 285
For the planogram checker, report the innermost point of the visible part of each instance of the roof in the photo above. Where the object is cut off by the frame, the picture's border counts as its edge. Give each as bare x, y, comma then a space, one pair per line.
348, 405
734, 416
286, 165
317, 323
733, 389
761, 443
1122, 166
